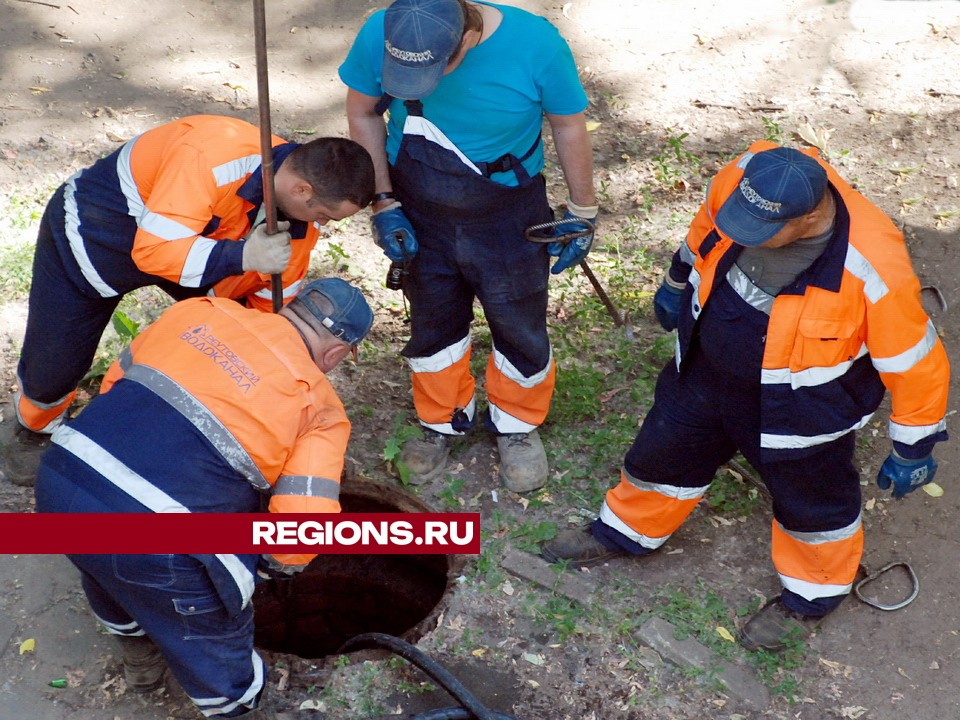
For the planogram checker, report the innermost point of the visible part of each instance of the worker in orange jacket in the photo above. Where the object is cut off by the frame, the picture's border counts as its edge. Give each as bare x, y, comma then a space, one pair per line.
156, 212
796, 307
211, 408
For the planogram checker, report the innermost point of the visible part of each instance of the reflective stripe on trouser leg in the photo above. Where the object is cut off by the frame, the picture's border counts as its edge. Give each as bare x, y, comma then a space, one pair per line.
41, 417
817, 565
645, 513
443, 384
518, 404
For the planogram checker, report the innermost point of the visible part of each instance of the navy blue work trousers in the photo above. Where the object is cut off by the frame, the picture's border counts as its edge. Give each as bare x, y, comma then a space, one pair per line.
700, 419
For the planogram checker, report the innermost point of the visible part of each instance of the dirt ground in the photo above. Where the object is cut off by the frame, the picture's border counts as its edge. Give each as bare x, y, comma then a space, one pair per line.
676, 89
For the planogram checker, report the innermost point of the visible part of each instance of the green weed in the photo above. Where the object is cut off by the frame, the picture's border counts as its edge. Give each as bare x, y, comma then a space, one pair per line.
699, 615
772, 131
126, 330
729, 496
452, 493
17, 263
402, 432
528, 536
674, 162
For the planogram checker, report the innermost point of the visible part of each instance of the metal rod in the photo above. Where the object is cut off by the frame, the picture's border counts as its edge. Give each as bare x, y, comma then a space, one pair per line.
536, 233
604, 298
266, 136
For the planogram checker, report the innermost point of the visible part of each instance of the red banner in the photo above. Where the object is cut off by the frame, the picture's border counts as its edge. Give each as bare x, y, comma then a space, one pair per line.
240, 533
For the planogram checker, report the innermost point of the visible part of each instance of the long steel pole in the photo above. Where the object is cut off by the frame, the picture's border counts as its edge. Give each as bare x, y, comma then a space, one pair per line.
266, 137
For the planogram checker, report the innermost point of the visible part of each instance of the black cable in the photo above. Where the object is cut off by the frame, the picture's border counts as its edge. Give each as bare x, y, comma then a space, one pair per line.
472, 707
443, 714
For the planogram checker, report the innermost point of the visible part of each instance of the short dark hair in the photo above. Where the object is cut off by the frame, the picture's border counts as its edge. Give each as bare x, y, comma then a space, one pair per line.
336, 168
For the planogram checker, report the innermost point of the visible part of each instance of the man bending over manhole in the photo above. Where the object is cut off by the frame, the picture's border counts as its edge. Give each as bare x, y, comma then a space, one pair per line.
173, 431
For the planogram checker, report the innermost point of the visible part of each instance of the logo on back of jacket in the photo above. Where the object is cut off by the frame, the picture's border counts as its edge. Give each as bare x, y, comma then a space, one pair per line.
210, 346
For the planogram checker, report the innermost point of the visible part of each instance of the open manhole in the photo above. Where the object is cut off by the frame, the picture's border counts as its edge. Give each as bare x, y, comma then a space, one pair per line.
340, 596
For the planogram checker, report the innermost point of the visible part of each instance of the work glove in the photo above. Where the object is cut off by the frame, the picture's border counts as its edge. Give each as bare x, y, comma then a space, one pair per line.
268, 568
905, 475
267, 254
666, 305
574, 252
394, 233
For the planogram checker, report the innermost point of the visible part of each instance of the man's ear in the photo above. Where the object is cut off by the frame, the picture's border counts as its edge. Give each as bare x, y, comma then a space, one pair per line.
332, 356
302, 189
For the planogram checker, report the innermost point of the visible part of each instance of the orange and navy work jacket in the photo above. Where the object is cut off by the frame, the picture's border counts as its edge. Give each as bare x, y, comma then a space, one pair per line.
848, 328
213, 408
157, 211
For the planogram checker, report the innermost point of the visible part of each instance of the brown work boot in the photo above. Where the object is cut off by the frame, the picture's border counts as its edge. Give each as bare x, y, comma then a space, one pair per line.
143, 665
22, 453
579, 546
523, 461
775, 626
425, 458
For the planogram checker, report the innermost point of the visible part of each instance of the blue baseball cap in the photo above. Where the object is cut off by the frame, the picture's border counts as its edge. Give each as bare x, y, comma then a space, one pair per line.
337, 305
778, 185
419, 37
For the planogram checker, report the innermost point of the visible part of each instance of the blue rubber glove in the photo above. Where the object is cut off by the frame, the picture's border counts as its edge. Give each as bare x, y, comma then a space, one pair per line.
666, 305
905, 475
394, 233
576, 250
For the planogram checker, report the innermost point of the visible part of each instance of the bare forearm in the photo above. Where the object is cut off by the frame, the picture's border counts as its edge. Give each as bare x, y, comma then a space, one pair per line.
367, 128
576, 156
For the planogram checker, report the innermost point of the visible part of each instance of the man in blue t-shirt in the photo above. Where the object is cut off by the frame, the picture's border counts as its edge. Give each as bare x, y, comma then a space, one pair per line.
458, 177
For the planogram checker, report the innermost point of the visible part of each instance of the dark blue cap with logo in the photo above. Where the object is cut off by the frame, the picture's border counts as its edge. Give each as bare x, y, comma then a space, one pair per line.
346, 315
419, 38
778, 185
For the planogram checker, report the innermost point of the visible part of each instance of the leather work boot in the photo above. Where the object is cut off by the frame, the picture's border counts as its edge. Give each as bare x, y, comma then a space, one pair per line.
425, 458
22, 455
579, 546
775, 626
143, 665
523, 461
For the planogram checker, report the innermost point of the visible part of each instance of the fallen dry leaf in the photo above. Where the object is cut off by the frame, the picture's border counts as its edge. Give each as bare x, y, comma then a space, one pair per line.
933, 490
725, 634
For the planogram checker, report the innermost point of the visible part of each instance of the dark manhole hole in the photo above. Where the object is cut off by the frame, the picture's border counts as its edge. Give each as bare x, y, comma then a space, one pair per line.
340, 596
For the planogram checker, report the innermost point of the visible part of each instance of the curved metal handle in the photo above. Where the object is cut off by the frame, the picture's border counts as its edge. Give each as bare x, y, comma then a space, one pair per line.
535, 233
873, 576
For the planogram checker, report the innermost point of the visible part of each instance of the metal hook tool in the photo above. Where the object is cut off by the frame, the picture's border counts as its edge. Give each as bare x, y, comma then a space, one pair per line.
542, 233
875, 575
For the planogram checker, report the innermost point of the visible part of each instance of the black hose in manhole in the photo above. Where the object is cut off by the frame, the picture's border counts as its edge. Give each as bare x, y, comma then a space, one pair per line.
340, 596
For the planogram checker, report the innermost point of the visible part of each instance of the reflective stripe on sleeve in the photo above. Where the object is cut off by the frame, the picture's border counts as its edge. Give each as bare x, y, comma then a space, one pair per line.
909, 357
289, 291
912, 434
857, 265
235, 169
196, 262
307, 486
